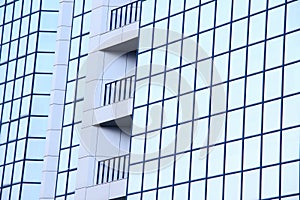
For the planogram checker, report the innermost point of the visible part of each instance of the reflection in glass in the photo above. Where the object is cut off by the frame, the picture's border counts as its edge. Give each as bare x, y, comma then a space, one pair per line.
214, 188
273, 82
290, 178
291, 144
272, 112
251, 184
270, 182
275, 22
271, 151
291, 111
252, 153
233, 156
232, 186
292, 47
274, 52
257, 27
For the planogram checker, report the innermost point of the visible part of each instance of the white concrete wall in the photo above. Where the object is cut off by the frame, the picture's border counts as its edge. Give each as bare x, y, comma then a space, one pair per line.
57, 100
103, 65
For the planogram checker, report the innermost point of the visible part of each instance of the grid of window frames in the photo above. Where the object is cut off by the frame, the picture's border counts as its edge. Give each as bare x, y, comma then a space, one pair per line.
69, 146
27, 34
255, 47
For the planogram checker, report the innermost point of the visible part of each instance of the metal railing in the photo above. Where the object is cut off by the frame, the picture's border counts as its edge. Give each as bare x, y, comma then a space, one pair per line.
112, 169
124, 15
118, 90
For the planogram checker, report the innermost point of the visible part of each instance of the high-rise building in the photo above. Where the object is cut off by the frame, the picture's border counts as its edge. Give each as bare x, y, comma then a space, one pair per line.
27, 44
227, 105
149, 99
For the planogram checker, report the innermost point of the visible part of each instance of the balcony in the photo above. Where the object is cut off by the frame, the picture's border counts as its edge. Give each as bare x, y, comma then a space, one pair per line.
124, 15
123, 29
118, 90
117, 104
113, 169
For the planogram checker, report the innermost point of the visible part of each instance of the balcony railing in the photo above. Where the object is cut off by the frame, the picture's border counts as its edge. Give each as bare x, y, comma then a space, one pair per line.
118, 90
112, 169
124, 15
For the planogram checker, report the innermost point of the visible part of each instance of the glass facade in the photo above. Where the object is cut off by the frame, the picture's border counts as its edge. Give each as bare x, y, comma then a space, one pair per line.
221, 118
216, 99
27, 46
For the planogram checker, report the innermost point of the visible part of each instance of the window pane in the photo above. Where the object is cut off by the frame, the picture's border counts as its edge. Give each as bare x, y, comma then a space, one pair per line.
162, 9
252, 153
291, 78
141, 91
272, 112
224, 11
176, 7
147, 17
40, 105
207, 16
254, 89
233, 156
274, 52
220, 70
292, 14
47, 42
197, 190
214, 188
139, 120
49, 21
273, 80
182, 168
257, 27
166, 171
152, 145
271, 145
171, 83
222, 38
234, 124
198, 165
165, 194
190, 27
150, 175
156, 88
185, 108
42, 84
181, 192
292, 46
175, 31
232, 186
33, 171
275, 21
137, 148
237, 63
291, 144
236, 94
270, 182
200, 134
291, 111
135, 178
167, 141
251, 184
169, 112
290, 178
240, 9
215, 163
202, 103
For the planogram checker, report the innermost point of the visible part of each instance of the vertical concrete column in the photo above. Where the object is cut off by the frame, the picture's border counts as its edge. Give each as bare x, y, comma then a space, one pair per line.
57, 95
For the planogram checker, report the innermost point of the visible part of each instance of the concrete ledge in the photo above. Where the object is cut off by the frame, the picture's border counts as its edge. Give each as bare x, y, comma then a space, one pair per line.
107, 191
116, 114
121, 39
